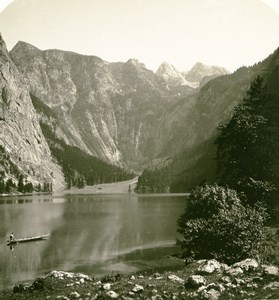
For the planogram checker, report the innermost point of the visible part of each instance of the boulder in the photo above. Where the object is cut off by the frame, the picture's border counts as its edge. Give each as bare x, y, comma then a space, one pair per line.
211, 294
74, 295
226, 279
270, 270
248, 264
234, 271
175, 278
112, 294
239, 281
196, 281
209, 266
272, 286
215, 286
107, 286
138, 288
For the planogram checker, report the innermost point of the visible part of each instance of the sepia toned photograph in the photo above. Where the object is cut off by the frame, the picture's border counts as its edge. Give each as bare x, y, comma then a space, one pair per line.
139, 149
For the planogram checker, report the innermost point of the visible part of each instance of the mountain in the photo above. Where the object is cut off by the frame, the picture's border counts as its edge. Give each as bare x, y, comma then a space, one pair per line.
198, 76
202, 73
114, 111
128, 115
212, 106
24, 152
79, 168
172, 76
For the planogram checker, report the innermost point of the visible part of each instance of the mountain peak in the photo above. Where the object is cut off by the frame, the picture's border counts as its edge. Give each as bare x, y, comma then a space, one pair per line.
23, 47
172, 76
135, 62
165, 66
3, 47
200, 70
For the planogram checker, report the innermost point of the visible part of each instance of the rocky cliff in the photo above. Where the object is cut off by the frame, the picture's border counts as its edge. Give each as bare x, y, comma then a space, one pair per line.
198, 76
202, 73
21, 138
112, 110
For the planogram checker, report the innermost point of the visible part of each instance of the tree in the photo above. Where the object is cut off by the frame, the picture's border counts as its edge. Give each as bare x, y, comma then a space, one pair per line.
10, 186
28, 188
2, 186
245, 152
215, 224
20, 185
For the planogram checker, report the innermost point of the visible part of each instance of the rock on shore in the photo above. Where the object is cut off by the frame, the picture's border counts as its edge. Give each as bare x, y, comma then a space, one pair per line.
204, 279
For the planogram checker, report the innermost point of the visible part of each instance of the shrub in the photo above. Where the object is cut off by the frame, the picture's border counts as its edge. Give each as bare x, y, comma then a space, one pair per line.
271, 246
215, 224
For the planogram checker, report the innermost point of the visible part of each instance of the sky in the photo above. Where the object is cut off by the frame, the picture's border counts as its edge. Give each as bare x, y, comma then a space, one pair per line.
227, 33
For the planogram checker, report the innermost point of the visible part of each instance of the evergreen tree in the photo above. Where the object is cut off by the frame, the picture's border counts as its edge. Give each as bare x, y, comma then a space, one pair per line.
20, 185
28, 187
10, 186
2, 186
245, 153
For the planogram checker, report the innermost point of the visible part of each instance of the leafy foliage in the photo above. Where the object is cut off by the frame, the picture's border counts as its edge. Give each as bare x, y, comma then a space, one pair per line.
215, 224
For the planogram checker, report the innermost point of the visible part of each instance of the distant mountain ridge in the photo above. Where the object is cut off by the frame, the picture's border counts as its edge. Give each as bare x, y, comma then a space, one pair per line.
196, 77
115, 111
128, 115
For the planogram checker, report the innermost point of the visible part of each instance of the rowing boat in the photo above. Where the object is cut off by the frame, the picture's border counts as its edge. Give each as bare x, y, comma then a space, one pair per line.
27, 239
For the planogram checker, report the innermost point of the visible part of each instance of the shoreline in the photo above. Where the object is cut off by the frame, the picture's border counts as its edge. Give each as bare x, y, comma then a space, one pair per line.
203, 279
120, 188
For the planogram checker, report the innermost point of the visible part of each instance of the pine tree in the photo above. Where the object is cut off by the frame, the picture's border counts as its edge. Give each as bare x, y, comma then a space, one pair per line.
2, 186
245, 153
20, 186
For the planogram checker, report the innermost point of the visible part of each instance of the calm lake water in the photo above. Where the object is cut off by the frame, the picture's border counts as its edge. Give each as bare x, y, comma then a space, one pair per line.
94, 234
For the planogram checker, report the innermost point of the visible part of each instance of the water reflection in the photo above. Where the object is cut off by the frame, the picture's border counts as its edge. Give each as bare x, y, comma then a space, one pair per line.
86, 232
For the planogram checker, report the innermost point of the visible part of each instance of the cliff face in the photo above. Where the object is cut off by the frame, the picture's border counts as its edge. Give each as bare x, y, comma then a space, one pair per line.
112, 110
20, 134
125, 113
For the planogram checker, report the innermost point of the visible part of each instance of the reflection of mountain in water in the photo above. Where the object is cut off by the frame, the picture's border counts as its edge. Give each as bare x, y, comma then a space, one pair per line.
95, 230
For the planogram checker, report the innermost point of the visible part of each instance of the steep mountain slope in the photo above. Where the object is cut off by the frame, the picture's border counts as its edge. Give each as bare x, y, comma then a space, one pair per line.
213, 105
78, 167
24, 150
111, 110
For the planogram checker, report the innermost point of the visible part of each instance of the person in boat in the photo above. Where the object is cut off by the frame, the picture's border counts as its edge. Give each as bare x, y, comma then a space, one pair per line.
12, 237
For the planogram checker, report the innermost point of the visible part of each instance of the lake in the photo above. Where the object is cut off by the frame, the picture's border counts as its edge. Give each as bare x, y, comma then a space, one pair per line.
94, 234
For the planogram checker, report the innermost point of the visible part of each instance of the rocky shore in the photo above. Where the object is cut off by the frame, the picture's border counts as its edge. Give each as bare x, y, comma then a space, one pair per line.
203, 279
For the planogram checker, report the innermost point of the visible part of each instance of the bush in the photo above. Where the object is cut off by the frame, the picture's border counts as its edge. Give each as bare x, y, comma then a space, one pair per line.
216, 225
271, 246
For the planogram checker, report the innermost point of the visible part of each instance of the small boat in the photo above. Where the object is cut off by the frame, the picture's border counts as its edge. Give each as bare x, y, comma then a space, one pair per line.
27, 239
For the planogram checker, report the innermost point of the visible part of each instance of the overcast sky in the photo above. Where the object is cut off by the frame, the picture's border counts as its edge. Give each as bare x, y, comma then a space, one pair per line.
228, 33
